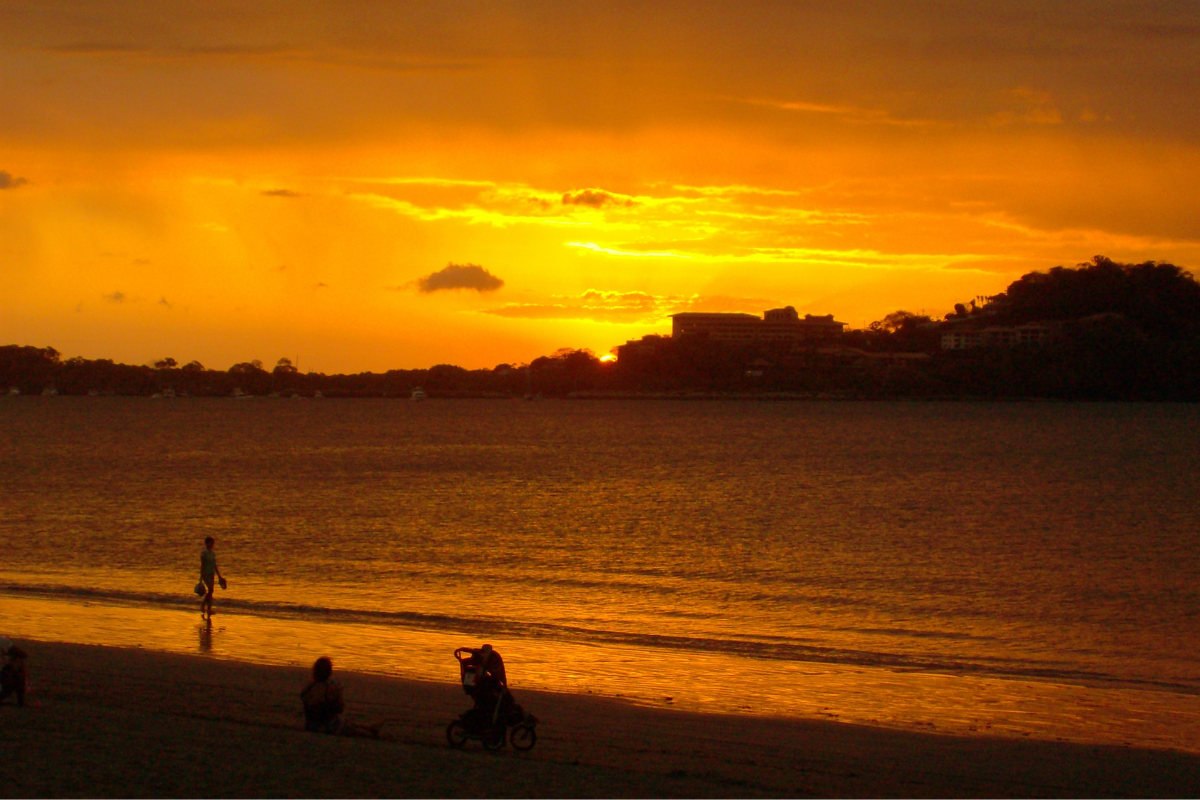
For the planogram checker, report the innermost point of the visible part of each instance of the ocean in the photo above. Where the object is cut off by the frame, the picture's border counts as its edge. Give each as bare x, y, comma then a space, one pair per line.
1020, 569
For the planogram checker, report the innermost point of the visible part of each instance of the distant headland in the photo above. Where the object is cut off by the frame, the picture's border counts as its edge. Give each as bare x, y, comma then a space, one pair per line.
1102, 330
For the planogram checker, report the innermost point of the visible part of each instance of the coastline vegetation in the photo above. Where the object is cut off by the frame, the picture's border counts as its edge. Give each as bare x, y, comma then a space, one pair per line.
1116, 332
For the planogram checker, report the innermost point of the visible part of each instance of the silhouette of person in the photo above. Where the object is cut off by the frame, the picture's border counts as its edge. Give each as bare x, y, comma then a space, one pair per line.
491, 682
322, 698
209, 574
12, 674
324, 705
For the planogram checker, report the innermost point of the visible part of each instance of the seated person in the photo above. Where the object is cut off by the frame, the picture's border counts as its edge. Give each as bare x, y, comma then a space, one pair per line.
12, 674
323, 705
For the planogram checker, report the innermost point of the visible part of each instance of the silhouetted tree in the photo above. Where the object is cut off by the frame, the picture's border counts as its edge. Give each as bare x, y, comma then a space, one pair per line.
1161, 299
250, 377
903, 331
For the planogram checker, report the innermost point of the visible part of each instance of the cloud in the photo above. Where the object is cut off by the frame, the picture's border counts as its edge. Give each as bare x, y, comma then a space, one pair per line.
7, 181
847, 113
115, 297
281, 193
596, 198
459, 276
335, 56
322, 285
162, 301
627, 307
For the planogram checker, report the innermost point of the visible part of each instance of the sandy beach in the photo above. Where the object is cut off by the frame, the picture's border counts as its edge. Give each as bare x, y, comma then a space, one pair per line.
107, 721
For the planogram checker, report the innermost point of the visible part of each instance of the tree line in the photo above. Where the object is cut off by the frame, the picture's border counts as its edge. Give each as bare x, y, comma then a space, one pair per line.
1122, 332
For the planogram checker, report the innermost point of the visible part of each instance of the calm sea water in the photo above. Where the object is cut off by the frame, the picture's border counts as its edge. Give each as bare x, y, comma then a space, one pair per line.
1020, 568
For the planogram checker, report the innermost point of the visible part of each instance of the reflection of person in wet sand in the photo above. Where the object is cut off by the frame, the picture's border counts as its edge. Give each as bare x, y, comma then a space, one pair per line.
206, 635
209, 574
323, 705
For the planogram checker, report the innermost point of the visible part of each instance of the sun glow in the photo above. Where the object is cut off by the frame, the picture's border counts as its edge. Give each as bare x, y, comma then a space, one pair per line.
209, 195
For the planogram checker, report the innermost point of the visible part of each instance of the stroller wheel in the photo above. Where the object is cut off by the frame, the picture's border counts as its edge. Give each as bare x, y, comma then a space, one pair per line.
523, 737
493, 739
456, 734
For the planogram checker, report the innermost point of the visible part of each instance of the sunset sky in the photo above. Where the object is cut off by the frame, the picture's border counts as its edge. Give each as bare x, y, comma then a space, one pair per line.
226, 181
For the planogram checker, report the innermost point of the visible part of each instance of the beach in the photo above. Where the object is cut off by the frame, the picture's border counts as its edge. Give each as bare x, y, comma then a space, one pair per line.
109, 721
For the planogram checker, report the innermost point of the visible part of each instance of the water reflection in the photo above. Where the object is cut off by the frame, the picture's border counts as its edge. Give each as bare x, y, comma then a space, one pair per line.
206, 636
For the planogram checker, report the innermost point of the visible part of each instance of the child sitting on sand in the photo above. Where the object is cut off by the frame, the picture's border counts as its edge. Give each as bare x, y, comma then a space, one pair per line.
323, 705
12, 674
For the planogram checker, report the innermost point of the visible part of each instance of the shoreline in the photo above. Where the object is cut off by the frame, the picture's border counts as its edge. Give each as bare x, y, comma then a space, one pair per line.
907, 700
106, 721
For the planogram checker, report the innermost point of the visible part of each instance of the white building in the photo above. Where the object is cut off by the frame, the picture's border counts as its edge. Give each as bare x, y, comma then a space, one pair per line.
998, 336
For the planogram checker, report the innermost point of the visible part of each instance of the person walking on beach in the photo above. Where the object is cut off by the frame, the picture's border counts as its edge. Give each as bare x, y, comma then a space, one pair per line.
209, 574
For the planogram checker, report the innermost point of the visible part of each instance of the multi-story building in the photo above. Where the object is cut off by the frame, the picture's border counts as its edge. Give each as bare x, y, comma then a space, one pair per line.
997, 336
778, 324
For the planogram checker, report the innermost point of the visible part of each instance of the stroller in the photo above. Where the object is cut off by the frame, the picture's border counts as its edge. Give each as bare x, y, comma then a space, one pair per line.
495, 718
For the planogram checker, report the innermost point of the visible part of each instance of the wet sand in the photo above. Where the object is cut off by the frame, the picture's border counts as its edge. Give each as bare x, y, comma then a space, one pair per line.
127, 722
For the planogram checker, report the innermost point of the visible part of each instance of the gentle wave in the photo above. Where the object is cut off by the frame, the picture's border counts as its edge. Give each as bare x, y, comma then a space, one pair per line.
759, 647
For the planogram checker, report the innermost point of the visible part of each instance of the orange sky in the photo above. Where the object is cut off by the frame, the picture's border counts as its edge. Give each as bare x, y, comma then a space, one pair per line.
228, 181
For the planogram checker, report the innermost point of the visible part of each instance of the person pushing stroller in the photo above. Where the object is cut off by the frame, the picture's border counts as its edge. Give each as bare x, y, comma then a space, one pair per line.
485, 681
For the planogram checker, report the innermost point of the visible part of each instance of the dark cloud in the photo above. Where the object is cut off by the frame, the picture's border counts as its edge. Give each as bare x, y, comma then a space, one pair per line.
596, 198
101, 48
7, 181
116, 297
162, 301
459, 276
281, 193
94, 48
1168, 30
322, 285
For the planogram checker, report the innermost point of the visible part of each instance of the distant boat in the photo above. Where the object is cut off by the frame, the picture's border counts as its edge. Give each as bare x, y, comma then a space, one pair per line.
14, 391
49, 391
419, 394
